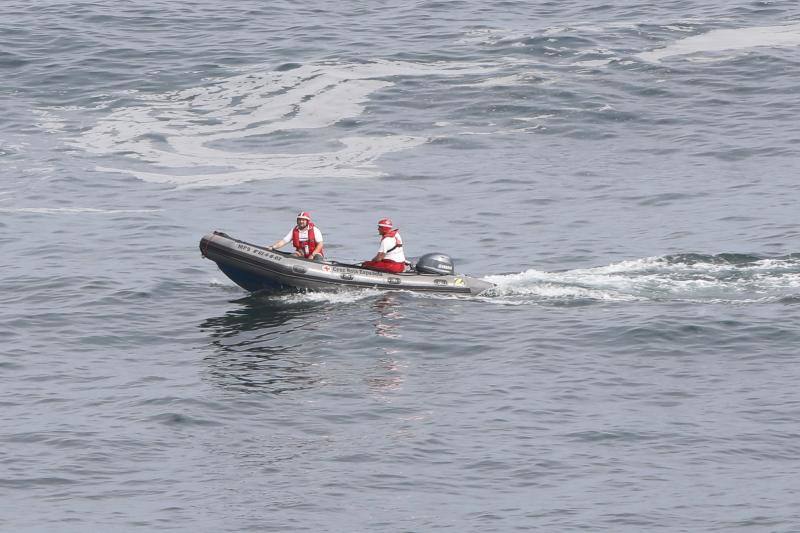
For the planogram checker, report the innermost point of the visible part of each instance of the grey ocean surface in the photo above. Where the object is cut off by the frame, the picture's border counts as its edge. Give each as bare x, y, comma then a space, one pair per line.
625, 172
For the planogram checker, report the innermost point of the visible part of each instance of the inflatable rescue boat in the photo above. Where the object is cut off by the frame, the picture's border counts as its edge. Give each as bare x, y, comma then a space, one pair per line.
256, 268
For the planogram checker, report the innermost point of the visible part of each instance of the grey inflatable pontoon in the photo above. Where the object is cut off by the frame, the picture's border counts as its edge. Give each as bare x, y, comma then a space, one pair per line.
255, 268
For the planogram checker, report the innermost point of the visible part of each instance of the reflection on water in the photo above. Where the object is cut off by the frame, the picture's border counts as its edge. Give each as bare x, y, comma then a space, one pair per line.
257, 349
275, 345
388, 313
389, 374
389, 371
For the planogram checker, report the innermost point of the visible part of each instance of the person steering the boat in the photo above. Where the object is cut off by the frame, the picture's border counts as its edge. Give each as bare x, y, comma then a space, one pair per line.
390, 256
305, 237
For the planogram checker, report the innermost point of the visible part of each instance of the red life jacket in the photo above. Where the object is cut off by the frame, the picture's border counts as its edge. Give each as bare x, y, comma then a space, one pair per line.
398, 242
305, 247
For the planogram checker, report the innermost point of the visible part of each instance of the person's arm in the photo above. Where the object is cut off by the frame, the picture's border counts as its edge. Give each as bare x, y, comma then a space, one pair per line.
382, 249
281, 243
320, 244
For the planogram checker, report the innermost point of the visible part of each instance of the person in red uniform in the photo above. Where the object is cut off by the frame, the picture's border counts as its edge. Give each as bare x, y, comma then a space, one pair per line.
390, 256
305, 237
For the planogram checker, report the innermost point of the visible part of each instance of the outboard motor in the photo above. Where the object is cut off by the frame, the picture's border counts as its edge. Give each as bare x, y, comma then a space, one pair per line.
435, 263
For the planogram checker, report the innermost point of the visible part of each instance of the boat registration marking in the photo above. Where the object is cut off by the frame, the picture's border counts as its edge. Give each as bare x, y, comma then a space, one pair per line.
260, 252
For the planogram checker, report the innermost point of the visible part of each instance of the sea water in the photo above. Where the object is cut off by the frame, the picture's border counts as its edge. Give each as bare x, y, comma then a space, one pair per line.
626, 173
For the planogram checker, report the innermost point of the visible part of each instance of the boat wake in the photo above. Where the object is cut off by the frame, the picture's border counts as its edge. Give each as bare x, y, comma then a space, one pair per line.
689, 278
723, 278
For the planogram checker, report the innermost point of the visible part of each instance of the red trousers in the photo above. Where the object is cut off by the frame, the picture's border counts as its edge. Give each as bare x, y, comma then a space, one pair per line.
384, 266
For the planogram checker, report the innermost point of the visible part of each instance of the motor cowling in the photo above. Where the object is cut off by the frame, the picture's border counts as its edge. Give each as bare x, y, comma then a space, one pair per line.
435, 263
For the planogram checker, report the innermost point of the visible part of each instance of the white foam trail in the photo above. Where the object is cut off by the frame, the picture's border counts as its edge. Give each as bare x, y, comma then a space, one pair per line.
178, 135
656, 279
75, 210
340, 297
557, 286
732, 39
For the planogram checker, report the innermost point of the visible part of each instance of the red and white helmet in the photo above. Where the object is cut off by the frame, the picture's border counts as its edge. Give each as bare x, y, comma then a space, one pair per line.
385, 223
304, 215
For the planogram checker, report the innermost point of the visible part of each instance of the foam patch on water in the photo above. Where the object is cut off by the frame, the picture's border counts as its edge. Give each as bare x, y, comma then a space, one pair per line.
592, 63
522, 78
356, 160
49, 121
514, 37
216, 134
731, 39
708, 279
490, 36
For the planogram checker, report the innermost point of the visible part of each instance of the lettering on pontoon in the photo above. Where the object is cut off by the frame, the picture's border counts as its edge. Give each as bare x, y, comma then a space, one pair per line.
440, 282
346, 270
394, 281
347, 277
259, 251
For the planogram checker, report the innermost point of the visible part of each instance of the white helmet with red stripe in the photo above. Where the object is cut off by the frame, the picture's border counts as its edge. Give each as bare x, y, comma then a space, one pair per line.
385, 226
305, 215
